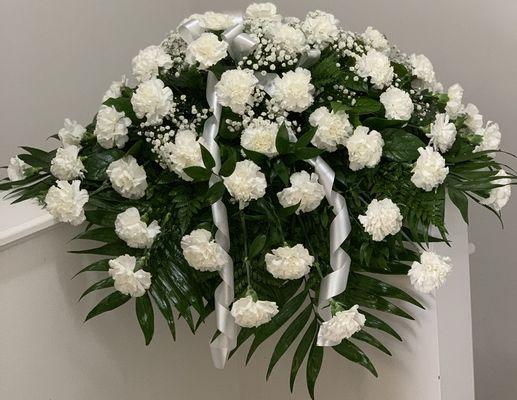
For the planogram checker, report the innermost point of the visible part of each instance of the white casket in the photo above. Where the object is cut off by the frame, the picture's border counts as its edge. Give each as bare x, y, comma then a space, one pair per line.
47, 352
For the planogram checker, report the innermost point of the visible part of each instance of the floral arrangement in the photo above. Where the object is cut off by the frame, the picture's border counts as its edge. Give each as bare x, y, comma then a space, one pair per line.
264, 168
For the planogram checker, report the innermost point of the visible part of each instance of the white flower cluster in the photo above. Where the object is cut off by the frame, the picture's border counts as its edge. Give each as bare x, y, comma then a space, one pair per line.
375, 39
430, 273
127, 177
206, 50
214, 21
111, 127
126, 279
202, 252
152, 100
250, 313
342, 325
265, 11
364, 148
147, 63
136, 233
235, 89
376, 66
71, 134
305, 190
67, 164
293, 91
455, 102
184, 152
260, 136
289, 262
382, 218
115, 89
334, 128
246, 183
397, 104
499, 196
491, 137
288, 38
321, 28
429, 170
16, 169
66, 201
443, 133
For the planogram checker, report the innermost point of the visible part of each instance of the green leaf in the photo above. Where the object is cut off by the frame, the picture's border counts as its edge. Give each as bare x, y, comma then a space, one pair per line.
382, 123
265, 331
229, 165
306, 138
301, 351
374, 322
101, 217
208, 160
160, 299
461, 201
371, 340
287, 211
101, 265
215, 192
198, 174
257, 245
365, 105
281, 171
244, 334
103, 234
110, 249
122, 104
314, 366
282, 140
288, 337
307, 153
353, 353
98, 161
110, 302
145, 315
104, 284
400, 145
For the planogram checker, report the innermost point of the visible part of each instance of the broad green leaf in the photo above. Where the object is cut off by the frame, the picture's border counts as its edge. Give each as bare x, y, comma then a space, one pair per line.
306, 138
301, 351
98, 160
103, 234
287, 211
208, 160
307, 153
374, 322
198, 174
101, 265
400, 145
365, 105
110, 302
101, 217
382, 123
256, 246
288, 337
371, 340
350, 351
122, 104
229, 164
314, 366
215, 192
145, 316
281, 171
104, 284
282, 140
244, 334
461, 201
369, 300
110, 249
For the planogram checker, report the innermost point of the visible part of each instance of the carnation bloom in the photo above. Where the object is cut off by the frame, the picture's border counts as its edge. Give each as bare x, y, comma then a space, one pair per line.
454, 105
342, 326
293, 92
207, 50
474, 120
263, 11
67, 165
375, 39
334, 128
289, 262
16, 169
491, 137
71, 134
184, 152
235, 89
152, 100
382, 218
364, 148
202, 252
442, 133
422, 68
126, 279
305, 190
429, 170
214, 21
376, 66
499, 196
246, 183
148, 61
430, 273
127, 177
136, 233
397, 103
250, 313
115, 89
111, 127
288, 38
260, 136
66, 201
320, 28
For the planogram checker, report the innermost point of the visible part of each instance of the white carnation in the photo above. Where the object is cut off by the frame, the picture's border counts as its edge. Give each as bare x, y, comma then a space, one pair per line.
375, 39
207, 50
288, 38
260, 136
67, 165
202, 252
136, 233
111, 127
289, 262
249, 313
376, 66
16, 169
491, 137
148, 61
126, 279
334, 128
71, 134
152, 100
499, 196
127, 177
443, 133
115, 89
382, 218
246, 183
455, 102
235, 89
422, 68
293, 92
304, 190
184, 152
364, 148
429, 170
474, 120
214, 21
320, 28
430, 273
342, 325
262, 11
66, 201
397, 103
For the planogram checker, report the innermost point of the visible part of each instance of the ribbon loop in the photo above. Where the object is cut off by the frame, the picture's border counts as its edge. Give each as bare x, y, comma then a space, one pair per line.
190, 30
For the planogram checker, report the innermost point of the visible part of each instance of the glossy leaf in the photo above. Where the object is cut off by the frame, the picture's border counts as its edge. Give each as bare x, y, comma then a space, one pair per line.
301, 351
353, 353
371, 340
208, 160
257, 245
110, 302
400, 145
103, 284
145, 316
101, 265
314, 366
282, 140
198, 174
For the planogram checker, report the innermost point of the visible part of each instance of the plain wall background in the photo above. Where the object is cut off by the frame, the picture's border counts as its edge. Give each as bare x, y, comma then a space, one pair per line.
59, 56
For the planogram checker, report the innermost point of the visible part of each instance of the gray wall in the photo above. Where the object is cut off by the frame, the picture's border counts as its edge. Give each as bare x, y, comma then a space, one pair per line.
59, 56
